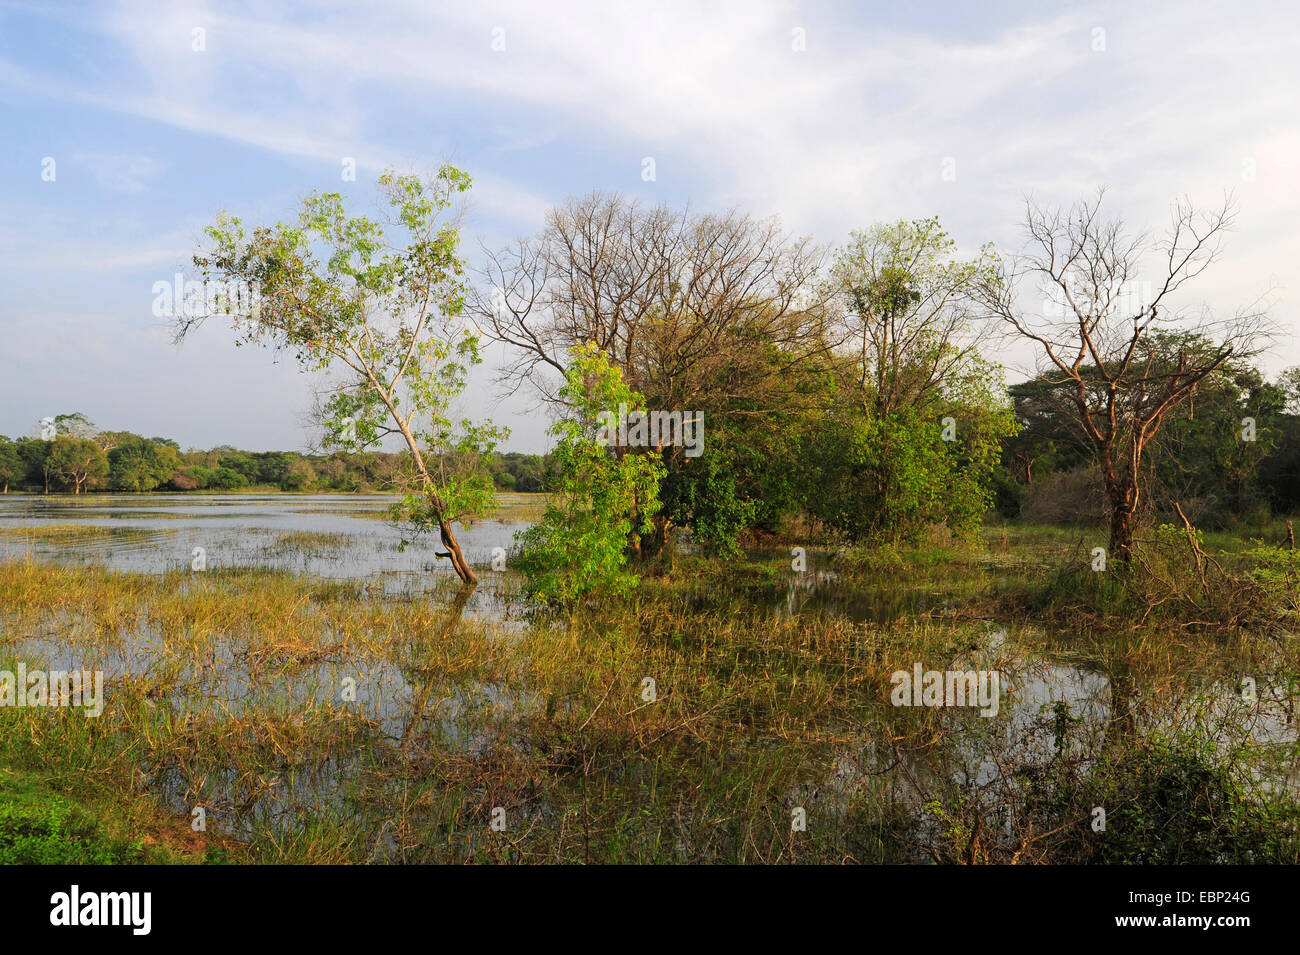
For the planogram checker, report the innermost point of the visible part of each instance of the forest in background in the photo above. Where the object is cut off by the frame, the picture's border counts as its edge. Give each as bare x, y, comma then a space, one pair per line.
1044, 473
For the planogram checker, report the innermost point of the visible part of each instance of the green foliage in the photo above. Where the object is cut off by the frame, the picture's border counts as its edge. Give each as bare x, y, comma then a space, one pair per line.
1205, 456
140, 464
299, 475
705, 494
1179, 803
603, 498
914, 437
34, 453
889, 478
755, 467
52, 831
77, 463
13, 470
1276, 570
226, 479
525, 473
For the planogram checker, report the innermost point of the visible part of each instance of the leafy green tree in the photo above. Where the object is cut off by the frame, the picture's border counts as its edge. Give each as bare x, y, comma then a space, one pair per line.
706, 494
603, 497
79, 463
1277, 472
339, 293
140, 464
1206, 451
35, 454
225, 479
915, 434
1048, 439
13, 470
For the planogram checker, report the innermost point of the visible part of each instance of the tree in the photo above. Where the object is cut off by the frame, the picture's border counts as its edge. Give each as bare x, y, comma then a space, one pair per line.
75, 425
13, 470
335, 292
140, 464
1201, 455
79, 463
716, 315
1098, 330
580, 544
227, 480
1048, 439
916, 432
911, 316
299, 476
35, 454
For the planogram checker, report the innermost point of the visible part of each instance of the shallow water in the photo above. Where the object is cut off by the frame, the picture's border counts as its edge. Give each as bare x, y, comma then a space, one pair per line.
1043, 695
154, 533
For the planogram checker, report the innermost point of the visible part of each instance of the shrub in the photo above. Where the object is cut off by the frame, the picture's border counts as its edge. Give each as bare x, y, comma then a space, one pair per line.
604, 499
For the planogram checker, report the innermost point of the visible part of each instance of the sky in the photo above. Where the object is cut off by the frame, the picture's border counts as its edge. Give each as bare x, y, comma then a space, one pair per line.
127, 127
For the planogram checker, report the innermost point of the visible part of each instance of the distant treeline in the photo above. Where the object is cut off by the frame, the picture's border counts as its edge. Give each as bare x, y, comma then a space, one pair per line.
79, 458
1231, 456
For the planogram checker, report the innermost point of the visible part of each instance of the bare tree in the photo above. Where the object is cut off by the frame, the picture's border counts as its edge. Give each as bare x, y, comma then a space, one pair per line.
675, 299
1117, 344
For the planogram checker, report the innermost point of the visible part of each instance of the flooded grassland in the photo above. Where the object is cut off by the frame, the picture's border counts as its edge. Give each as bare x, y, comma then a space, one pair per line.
322, 695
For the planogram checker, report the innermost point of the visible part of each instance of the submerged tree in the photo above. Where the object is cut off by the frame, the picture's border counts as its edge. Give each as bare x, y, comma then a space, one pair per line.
334, 289
1101, 325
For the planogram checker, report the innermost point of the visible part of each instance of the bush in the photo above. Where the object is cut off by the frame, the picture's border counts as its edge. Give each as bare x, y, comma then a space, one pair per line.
227, 479
1177, 803
603, 501
1065, 497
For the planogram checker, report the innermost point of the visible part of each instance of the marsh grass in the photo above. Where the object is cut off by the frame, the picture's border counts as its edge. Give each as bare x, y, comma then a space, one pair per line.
228, 689
69, 533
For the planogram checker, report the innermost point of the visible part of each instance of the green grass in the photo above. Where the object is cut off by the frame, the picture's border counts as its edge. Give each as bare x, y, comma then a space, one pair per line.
39, 826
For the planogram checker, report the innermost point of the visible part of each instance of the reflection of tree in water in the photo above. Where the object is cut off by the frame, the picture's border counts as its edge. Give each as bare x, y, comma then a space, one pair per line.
423, 687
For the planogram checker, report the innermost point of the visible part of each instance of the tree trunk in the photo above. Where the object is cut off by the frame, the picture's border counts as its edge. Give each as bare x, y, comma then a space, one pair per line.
661, 531
458, 561
1121, 532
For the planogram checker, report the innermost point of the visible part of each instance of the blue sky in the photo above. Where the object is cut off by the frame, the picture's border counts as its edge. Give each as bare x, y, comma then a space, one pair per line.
150, 138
